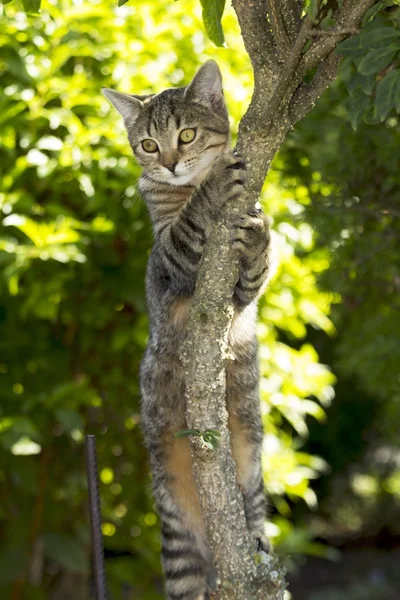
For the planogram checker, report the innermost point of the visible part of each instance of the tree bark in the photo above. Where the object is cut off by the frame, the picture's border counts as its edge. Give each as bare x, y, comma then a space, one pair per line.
275, 36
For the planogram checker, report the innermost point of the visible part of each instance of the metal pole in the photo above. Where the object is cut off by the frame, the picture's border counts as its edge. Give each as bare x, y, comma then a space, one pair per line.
95, 517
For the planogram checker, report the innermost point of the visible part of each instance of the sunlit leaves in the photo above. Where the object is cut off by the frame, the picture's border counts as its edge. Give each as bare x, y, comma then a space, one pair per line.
25, 447
31, 6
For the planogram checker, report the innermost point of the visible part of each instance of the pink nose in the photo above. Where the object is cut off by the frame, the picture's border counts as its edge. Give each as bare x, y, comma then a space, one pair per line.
170, 167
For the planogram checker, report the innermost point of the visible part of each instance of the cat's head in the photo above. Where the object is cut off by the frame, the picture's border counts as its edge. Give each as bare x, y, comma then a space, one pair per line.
177, 135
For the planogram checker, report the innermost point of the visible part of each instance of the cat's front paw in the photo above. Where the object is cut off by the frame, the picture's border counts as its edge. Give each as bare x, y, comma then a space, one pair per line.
226, 181
263, 543
251, 237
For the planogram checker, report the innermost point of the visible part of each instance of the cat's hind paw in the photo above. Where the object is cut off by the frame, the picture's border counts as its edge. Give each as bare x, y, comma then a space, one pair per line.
250, 236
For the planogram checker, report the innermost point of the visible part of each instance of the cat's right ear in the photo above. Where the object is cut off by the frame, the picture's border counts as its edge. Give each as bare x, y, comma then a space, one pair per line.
128, 106
206, 86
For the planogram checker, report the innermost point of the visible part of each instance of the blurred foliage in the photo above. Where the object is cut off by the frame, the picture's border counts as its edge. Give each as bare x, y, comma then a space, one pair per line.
348, 186
74, 241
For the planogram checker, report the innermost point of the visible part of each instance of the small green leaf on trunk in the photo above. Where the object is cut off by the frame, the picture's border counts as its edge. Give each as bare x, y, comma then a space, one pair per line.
187, 432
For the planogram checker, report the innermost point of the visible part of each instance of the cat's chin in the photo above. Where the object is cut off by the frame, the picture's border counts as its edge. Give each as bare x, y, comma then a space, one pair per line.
190, 178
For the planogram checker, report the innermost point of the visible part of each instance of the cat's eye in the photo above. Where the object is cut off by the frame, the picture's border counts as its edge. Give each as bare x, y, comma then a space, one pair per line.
187, 135
149, 146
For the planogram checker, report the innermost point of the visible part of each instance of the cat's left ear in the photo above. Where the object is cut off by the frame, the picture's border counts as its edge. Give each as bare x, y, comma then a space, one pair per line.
206, 86
128, 106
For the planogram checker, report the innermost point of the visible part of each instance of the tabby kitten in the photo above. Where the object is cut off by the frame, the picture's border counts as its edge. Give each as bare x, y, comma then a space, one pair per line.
181, 139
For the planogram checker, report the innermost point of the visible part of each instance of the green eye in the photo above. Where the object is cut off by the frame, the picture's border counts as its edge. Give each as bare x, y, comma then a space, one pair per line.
149, 146
187, 135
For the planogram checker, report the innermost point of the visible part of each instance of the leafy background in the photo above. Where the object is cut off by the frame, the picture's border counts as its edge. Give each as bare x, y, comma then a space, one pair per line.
74, 240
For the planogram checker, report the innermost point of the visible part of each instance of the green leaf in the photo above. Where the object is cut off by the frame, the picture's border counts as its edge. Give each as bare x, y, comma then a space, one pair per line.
367, 83
187, 432
66, 551
357, 104
25, 447
374, 10
351, 47
6, 1
70, 419
312, 10
386, 94
31, 6
370, 117
215, 432
13, 563
377, 60
14, 429
208, 445
379, 35
397, 100
122, 2
211, 438
212, 14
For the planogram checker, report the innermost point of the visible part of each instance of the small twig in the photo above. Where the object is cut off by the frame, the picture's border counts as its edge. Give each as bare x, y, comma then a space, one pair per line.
290, 67
337, 32
307, 93
347, 18
95, 517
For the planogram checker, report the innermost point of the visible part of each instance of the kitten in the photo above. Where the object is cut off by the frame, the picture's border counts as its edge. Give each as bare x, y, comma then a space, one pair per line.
181, 139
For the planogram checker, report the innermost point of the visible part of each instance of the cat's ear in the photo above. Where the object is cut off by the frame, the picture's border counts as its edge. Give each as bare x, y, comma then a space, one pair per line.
206, 86
128, 106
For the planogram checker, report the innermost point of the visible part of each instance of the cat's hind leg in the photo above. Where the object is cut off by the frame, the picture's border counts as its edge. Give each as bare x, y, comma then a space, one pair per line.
245, 425
186, 559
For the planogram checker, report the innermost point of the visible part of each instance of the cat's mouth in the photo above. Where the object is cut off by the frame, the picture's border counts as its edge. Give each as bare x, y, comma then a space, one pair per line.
176, 178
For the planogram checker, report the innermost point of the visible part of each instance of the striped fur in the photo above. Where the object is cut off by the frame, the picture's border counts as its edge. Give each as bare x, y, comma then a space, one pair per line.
186, 186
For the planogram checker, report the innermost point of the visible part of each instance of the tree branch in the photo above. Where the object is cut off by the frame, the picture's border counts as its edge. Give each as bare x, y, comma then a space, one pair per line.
278, 29
291, 13
306, 94
291, 66
347, 18
257, 36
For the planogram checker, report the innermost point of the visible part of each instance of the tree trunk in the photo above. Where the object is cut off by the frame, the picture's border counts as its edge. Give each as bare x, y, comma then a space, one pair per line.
275, 35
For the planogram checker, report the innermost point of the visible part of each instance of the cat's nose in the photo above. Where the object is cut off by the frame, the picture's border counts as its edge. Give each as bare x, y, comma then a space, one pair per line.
170, 166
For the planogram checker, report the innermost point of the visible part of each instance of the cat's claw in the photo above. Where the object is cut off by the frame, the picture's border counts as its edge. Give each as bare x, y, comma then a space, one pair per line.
263, 544
250, 235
